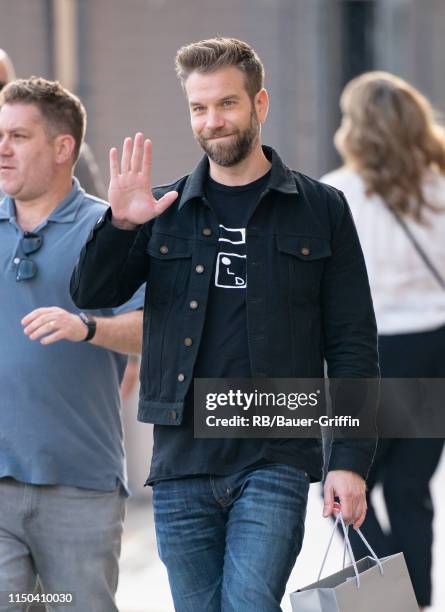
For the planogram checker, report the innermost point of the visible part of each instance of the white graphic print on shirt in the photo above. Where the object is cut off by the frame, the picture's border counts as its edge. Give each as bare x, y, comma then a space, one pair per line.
231, 270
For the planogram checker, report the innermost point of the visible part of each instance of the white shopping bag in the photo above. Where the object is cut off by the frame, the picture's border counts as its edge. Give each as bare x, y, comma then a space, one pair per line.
368, 585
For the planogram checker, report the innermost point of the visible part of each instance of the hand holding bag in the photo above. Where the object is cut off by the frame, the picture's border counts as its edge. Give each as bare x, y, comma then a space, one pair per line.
368, 585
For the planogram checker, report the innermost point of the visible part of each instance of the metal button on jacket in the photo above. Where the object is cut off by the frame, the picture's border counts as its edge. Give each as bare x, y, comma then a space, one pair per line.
207, 231
173, 414
193, 304
164, 249
199, 268
188, 341
181, 377
305, 251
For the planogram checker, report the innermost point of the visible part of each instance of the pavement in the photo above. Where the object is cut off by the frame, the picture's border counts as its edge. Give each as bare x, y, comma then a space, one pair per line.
143, 585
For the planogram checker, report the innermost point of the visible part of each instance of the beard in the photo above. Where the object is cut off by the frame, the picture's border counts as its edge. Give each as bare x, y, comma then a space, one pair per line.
230, 153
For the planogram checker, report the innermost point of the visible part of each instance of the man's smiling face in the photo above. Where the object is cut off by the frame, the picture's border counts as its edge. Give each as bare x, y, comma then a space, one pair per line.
223, 116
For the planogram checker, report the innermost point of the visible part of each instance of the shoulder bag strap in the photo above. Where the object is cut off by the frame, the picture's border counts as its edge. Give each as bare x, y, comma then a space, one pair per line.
426, 260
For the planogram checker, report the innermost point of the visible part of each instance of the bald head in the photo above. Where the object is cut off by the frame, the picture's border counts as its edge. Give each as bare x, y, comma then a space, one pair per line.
7, 72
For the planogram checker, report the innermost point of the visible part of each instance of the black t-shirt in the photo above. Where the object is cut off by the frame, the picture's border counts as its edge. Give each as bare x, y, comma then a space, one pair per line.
223, 352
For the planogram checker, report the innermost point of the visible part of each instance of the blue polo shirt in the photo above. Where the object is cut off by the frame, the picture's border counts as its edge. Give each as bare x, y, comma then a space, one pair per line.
59, 408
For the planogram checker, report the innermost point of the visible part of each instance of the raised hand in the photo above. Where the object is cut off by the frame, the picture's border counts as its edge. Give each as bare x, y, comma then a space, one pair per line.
130, 196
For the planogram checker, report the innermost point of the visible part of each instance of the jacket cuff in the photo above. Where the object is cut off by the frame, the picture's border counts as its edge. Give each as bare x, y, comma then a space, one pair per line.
111, 232
352, 459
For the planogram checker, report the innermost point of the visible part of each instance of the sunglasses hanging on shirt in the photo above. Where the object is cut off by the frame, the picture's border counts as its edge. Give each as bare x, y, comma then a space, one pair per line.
26, 268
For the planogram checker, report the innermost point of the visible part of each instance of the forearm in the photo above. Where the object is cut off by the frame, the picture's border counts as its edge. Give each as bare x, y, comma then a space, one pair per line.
121, 333
111, 267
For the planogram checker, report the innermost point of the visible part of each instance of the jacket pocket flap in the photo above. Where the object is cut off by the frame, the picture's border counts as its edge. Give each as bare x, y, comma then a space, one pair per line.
306, 248
163, 246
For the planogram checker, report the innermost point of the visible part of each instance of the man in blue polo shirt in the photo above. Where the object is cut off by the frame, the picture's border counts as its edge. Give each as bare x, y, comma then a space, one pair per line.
62, 475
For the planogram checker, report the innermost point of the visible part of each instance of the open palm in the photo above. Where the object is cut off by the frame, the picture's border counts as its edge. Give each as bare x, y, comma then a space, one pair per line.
130, 195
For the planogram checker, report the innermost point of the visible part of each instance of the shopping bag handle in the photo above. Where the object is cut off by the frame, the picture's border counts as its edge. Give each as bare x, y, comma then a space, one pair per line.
368, 546
349, 548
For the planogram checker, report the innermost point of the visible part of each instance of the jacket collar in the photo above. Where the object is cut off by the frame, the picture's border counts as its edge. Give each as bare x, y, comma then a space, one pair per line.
281, 178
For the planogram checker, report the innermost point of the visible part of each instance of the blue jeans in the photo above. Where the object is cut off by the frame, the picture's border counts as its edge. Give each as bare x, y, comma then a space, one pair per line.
229, 543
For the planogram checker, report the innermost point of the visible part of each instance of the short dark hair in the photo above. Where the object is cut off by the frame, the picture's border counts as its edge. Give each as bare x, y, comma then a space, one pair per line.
214, 53
62, 111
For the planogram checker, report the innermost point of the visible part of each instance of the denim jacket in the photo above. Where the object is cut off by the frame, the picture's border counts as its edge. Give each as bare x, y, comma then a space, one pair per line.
308, 298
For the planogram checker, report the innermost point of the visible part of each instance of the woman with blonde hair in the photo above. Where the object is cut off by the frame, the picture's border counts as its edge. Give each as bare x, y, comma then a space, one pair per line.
393, 176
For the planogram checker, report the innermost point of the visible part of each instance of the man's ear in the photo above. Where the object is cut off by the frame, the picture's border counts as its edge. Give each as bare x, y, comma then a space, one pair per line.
64, 145
262, 105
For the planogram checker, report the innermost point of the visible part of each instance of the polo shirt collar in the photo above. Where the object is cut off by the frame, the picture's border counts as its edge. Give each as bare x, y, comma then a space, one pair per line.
7, 208
281, 178
65, 212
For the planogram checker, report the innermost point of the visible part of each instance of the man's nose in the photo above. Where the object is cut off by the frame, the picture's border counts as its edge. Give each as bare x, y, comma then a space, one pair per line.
5, 146
215, 120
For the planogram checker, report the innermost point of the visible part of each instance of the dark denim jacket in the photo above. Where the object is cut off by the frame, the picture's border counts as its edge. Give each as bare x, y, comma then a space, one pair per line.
308, 297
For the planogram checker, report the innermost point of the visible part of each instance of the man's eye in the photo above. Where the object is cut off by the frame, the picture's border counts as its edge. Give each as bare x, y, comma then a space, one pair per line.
229, 102
198, 109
